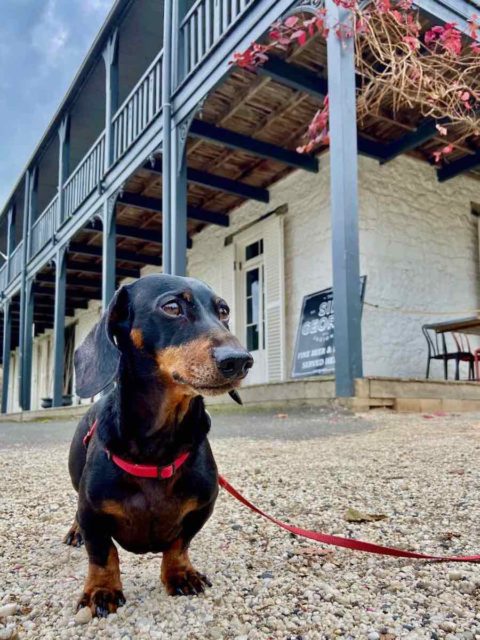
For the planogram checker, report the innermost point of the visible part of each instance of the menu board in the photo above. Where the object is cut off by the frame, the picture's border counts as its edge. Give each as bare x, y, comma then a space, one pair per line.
315, 346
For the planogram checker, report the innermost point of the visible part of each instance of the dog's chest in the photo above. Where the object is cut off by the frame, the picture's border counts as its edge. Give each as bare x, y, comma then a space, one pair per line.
149, 519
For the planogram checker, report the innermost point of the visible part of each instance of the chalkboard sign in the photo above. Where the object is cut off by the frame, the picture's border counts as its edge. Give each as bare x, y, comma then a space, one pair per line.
315, 347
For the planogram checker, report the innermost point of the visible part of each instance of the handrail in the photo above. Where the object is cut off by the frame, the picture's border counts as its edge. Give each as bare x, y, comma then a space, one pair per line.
15, 262
205, 25
192, 9
82, 161
85, 178
135, 88
43, 228
142, 105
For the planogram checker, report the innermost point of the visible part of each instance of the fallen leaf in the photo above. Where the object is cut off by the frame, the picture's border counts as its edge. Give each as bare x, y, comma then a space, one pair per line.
315, 551
352, 515
449, 535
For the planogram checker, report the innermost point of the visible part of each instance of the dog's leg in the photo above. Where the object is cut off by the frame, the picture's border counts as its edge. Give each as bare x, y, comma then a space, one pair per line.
178, 574
74, 536
103, 587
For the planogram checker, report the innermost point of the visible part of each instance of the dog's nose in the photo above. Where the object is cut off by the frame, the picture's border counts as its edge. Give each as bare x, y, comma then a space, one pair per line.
231, 362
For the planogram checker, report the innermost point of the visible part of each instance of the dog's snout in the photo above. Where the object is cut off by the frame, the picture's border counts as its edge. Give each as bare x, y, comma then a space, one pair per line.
232, 363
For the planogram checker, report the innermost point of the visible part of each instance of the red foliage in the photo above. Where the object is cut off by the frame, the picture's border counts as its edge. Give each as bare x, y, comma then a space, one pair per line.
448, 37
296, 30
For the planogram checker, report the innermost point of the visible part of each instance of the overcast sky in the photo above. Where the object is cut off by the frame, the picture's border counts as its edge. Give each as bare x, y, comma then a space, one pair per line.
42, 44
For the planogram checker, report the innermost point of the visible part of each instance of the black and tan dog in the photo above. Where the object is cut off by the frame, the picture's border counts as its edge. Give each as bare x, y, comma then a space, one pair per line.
164, 342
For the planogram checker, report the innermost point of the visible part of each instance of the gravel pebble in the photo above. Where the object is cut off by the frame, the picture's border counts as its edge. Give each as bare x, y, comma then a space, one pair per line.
268, 584
83, 616
8, 610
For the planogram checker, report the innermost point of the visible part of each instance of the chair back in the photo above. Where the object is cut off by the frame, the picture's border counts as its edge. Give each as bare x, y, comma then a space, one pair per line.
435, 346
462, 342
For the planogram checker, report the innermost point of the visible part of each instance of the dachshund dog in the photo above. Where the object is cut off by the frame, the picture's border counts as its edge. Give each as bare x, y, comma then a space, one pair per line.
140, 459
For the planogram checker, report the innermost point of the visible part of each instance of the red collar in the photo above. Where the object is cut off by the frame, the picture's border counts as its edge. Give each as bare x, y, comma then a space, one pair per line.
140, 470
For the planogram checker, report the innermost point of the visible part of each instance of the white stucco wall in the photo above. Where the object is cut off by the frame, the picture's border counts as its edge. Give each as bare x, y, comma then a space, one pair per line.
418, 248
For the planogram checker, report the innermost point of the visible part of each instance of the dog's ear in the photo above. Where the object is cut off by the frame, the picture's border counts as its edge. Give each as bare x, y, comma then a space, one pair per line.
97, 359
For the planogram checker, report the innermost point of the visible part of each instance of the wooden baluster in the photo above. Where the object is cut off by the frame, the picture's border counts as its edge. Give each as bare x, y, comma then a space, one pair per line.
208, 24
225, 17
200, 33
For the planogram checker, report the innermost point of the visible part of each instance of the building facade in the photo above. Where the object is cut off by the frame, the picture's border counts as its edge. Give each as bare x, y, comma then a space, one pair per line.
167, 159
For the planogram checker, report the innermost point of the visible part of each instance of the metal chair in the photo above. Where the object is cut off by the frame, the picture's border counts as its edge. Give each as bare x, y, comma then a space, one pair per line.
437, 350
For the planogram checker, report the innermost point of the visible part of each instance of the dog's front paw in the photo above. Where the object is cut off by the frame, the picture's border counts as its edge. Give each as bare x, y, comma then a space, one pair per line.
186, 582
102, 601
74, 538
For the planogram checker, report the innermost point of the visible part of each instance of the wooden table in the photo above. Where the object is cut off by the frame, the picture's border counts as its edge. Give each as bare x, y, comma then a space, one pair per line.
464, 325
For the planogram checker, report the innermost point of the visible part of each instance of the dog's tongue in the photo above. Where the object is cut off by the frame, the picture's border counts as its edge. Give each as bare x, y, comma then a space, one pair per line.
235, 396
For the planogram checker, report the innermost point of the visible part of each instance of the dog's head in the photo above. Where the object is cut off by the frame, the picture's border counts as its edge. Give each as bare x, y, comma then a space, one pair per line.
178, 325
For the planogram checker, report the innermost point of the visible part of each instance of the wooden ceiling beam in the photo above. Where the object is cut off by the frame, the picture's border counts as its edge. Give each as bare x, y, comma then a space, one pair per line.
155, 204
241, 142
205, 179
121, 254
449, 171
153, 236
88, 267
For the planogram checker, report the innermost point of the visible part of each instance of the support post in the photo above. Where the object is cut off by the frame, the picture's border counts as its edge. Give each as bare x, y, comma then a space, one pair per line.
11, 233
63, 165
109, 250
25, 345
167, 212
28, 342
110, 57
59, 325
179, 201
6, 349
344, 203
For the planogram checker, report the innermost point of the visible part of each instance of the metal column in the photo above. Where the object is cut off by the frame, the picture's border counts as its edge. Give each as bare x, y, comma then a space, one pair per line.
110, 57
179, 201
167, 212
24, 346
6, 348
109, 249
344, 203
59, 326
28, 346
178, 167
63, 165
11, 233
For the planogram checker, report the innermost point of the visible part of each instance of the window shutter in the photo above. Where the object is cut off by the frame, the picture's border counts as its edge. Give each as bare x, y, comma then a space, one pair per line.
274, 297
227, 282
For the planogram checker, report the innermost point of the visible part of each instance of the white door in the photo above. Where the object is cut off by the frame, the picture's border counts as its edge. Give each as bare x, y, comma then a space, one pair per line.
251, 305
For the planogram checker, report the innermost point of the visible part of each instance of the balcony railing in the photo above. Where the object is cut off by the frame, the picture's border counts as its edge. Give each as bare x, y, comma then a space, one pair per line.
142, 105
16, 260
44, 228
85, 178
205, 25
3, 277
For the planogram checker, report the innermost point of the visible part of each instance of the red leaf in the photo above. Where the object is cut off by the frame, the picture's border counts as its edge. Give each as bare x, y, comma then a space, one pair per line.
291, 21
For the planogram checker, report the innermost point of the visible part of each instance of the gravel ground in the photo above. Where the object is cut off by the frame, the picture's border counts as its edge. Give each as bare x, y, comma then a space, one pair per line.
421, 472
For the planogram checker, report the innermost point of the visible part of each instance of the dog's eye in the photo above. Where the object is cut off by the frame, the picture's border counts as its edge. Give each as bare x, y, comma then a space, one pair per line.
224, 313
172, 308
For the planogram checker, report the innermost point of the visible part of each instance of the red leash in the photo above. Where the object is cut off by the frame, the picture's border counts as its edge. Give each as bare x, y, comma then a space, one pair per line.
338, 541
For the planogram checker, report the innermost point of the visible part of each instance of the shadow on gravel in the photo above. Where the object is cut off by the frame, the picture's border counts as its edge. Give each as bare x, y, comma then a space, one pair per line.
299, 423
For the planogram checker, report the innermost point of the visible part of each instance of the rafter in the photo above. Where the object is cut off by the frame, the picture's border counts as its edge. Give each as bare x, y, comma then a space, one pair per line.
239, 141
219, 183
153, 236
121, 254
155, 204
